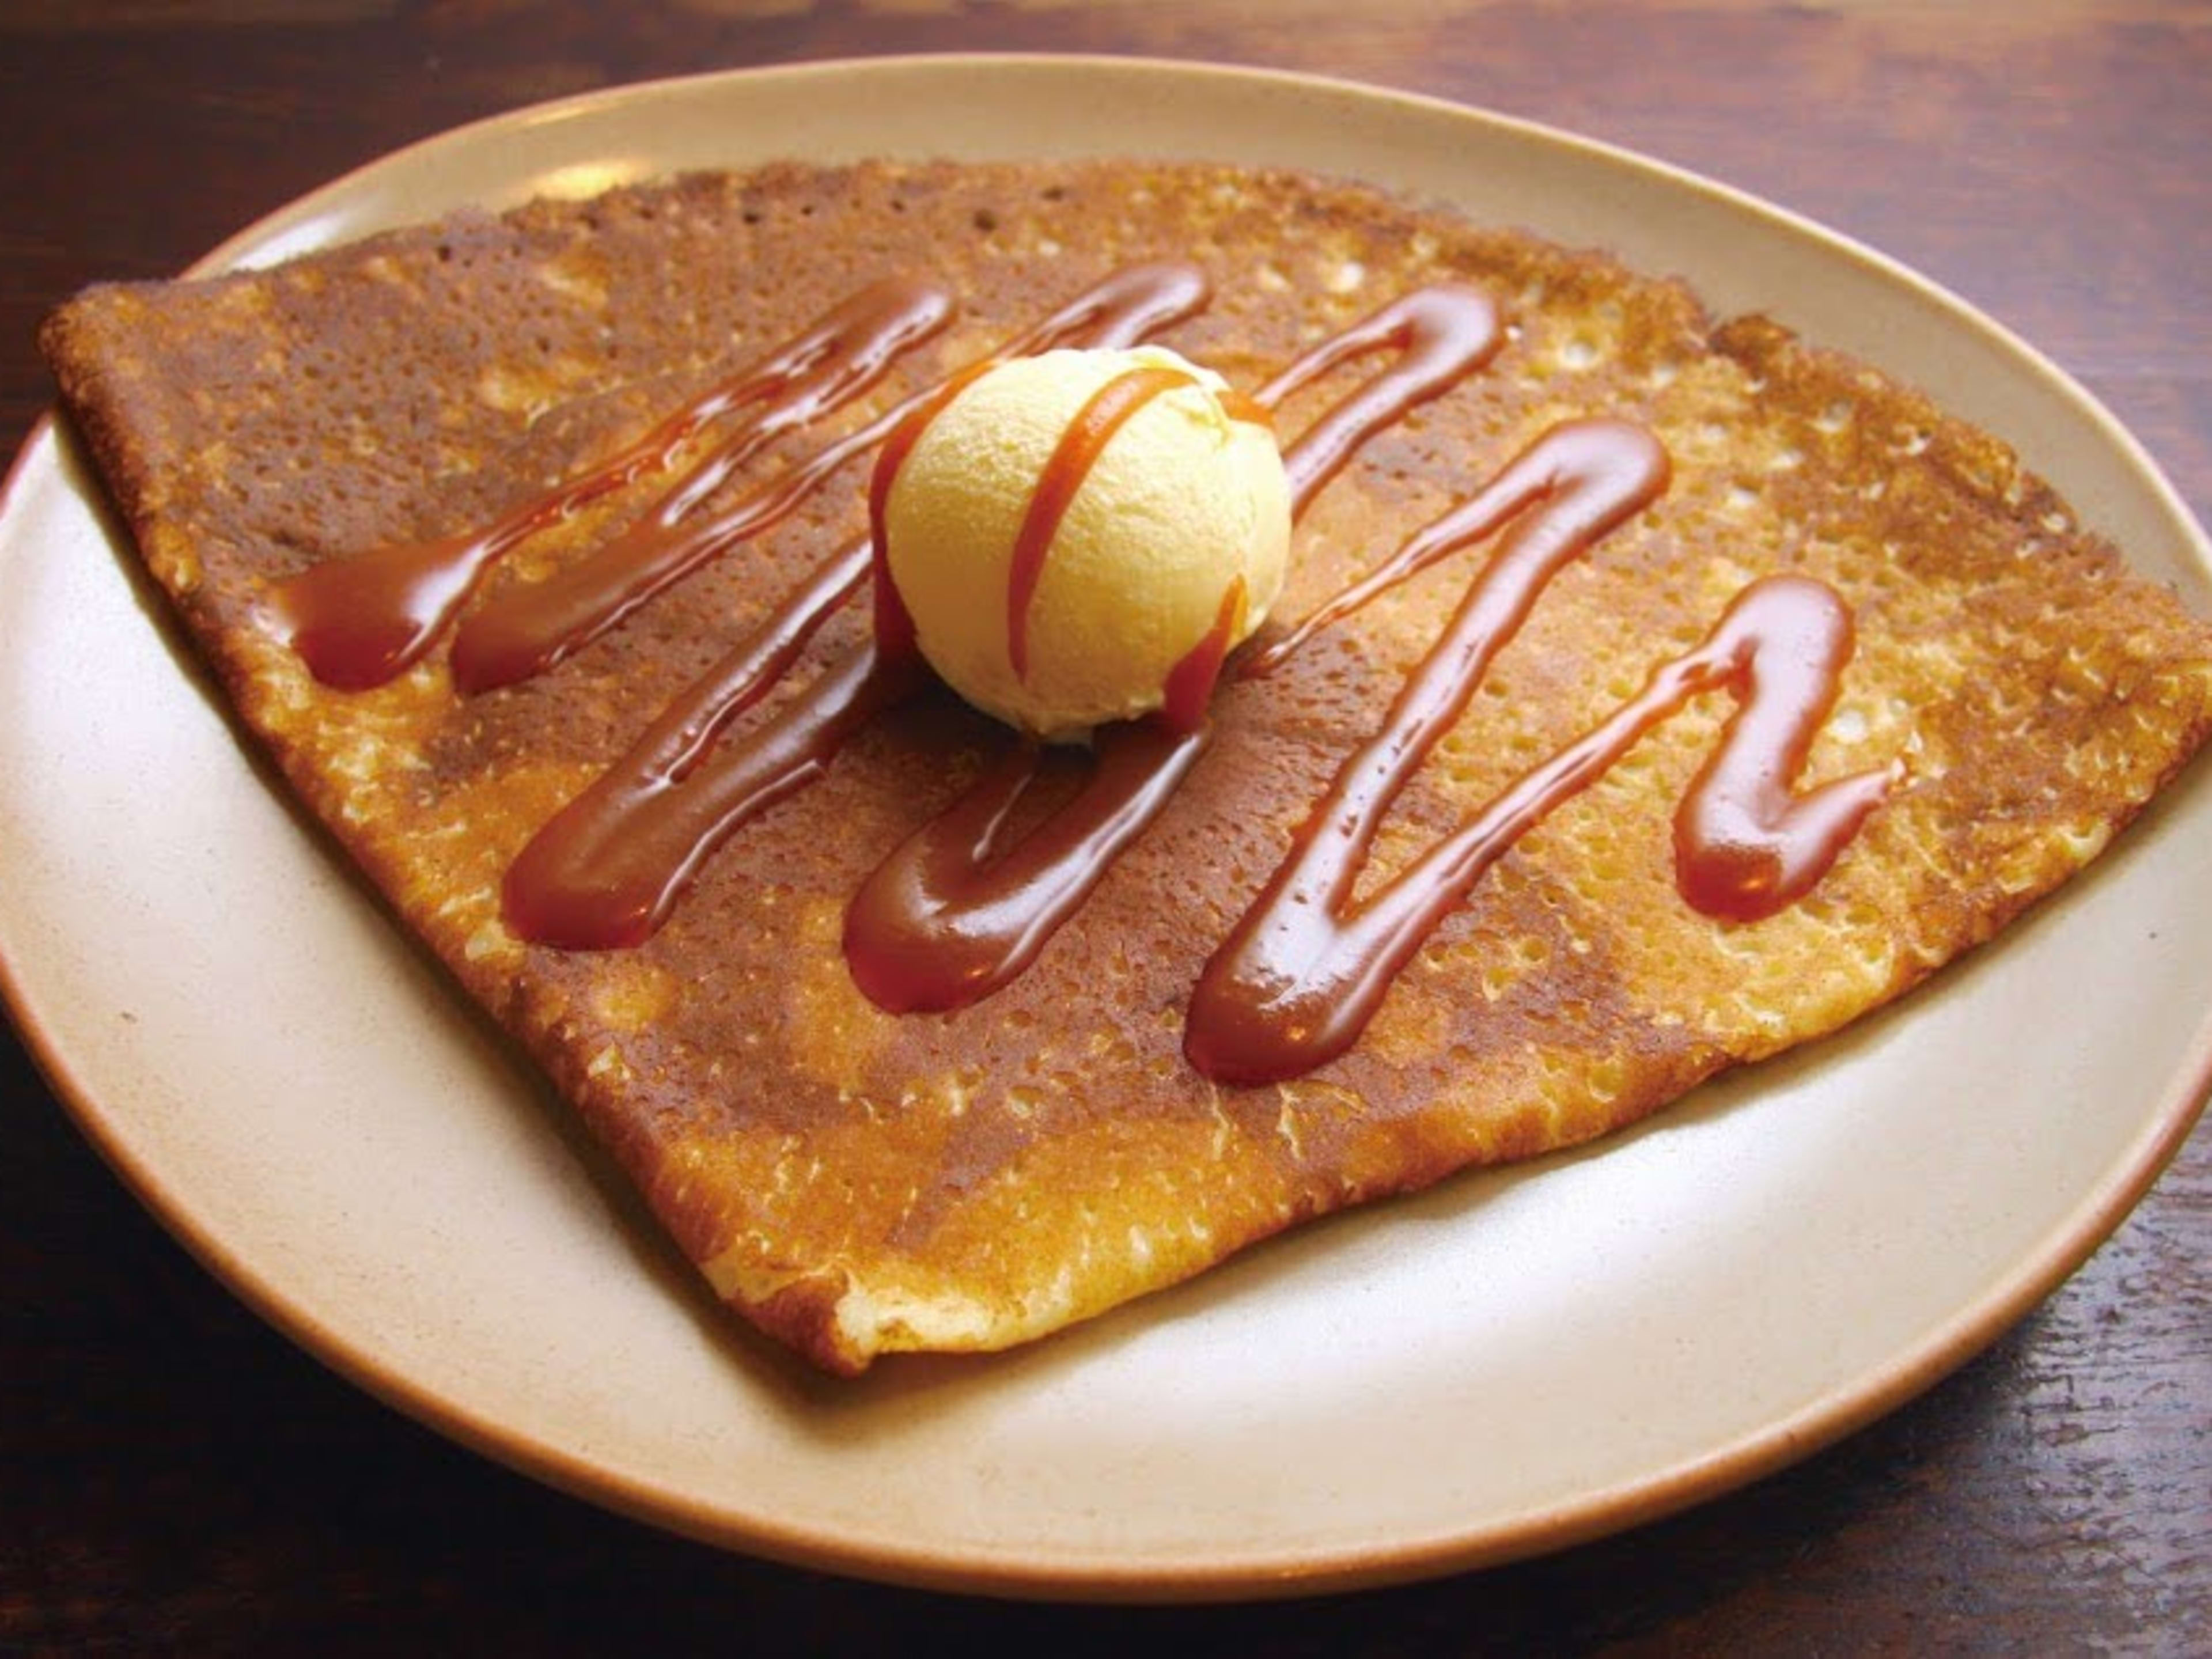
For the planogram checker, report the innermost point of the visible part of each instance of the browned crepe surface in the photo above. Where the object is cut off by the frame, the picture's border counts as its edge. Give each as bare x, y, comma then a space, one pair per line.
856, 1182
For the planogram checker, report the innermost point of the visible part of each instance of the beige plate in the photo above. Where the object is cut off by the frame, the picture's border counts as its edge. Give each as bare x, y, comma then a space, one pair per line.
1511, 1363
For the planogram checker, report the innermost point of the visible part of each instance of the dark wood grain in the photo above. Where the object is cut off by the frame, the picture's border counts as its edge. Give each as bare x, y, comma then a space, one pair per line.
173, 1476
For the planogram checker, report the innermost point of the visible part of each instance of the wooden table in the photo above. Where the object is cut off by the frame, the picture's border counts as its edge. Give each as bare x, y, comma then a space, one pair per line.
174, 1475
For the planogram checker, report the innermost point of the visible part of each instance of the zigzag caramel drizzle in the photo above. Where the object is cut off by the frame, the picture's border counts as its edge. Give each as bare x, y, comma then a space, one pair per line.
960, 909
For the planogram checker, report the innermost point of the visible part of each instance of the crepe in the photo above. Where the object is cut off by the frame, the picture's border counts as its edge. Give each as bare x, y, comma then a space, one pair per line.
856, 1180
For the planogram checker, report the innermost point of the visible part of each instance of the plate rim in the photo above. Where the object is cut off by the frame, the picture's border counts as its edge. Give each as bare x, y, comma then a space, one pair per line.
1226, 1574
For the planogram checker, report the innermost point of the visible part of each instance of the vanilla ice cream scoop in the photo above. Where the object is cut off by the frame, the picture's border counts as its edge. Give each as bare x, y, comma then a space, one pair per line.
1077, 534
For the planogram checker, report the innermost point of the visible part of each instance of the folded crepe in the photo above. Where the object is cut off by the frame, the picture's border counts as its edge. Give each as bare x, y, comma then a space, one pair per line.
589, 681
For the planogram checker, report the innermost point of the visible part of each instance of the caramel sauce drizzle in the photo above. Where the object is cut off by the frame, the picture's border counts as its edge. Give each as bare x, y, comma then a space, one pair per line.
894, 631
1103, 415
966, 902
361, 621
605, 872
530, 627
956, 912
1440, 335
1303, 971
1190, 683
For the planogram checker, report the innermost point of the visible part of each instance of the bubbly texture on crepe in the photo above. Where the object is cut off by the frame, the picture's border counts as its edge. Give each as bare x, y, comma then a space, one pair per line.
684, 384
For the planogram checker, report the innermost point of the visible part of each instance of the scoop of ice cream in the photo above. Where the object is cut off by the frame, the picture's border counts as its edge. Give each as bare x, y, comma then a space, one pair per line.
1073, 533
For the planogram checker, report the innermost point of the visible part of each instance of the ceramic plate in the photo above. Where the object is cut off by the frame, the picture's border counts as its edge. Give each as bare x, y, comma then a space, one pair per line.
1513, 1362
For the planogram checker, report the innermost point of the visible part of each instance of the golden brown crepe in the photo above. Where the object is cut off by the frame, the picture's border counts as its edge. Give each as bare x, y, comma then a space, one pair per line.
856, 1182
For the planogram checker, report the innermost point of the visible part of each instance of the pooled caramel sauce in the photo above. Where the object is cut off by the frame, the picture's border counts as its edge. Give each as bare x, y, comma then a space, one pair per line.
964, 904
